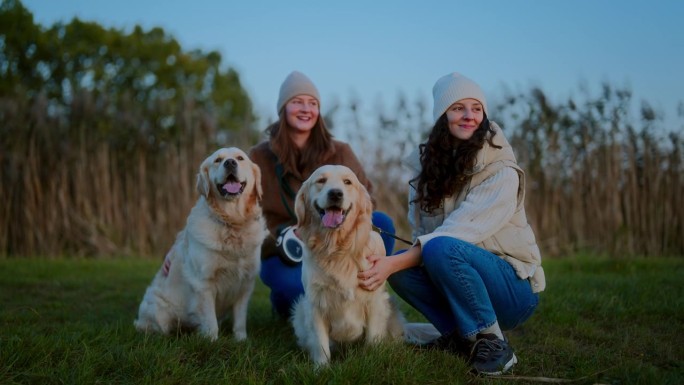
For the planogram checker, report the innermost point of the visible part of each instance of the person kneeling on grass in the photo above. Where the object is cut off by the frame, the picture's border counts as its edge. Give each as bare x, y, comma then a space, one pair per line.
298, 143
474, 268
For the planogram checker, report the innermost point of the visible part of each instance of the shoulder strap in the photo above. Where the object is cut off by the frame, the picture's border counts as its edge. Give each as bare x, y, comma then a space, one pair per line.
284, 187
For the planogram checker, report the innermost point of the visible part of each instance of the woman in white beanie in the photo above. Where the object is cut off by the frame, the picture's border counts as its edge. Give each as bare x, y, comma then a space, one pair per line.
474, 269
298, 143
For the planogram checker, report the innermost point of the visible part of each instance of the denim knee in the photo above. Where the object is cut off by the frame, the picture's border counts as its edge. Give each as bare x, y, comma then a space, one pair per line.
385, 223
438, 251
396, 280
284, 281
280, 277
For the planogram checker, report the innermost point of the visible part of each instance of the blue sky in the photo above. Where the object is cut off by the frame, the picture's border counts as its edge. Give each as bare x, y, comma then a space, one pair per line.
372, 50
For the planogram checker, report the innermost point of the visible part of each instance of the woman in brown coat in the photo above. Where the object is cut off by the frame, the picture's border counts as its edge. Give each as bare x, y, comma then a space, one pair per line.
298, 143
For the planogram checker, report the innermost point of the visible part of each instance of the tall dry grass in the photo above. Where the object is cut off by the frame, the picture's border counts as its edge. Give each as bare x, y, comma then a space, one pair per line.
600, 178
90, 182
90, 179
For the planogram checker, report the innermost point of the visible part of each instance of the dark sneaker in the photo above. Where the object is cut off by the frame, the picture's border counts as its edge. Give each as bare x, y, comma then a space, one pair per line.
491, 355
450, 342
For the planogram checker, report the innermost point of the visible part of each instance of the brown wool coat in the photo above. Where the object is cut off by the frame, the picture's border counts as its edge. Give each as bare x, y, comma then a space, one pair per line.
274, 210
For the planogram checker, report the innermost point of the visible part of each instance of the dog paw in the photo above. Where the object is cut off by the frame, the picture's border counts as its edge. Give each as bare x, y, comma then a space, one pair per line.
320, 364
212, 335
240, 336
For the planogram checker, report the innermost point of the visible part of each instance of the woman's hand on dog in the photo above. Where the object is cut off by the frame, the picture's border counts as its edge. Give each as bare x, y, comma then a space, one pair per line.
375, 276
381, 267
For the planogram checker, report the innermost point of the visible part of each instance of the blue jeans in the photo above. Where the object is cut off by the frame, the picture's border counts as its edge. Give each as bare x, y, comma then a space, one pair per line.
285, 281
464, 288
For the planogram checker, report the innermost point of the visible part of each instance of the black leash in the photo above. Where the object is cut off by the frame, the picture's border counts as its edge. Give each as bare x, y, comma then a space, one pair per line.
381, 231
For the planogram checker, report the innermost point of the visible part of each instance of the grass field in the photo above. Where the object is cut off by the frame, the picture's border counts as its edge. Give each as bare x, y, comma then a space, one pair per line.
609, 321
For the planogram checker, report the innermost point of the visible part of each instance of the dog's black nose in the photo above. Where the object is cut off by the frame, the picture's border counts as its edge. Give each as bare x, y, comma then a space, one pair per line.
230, 164
335, 195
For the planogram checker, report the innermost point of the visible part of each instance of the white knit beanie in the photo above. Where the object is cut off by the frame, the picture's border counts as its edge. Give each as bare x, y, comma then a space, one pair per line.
451, 88
295, 84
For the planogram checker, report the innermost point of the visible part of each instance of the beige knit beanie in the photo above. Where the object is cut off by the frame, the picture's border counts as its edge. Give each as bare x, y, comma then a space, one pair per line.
451, 88
295, 84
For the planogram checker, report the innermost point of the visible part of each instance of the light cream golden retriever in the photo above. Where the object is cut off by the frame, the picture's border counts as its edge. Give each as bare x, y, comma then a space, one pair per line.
216, 257
334, 221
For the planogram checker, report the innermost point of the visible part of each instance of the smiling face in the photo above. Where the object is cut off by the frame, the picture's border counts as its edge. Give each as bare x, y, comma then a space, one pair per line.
227, 173
301, 113
464, 117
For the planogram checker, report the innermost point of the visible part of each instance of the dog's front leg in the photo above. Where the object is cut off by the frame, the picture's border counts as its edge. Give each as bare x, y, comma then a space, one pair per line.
377, 323
240, 314
320, 345
206, 314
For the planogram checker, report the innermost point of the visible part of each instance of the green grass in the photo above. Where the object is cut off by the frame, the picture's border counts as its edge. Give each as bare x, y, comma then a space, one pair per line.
611, 321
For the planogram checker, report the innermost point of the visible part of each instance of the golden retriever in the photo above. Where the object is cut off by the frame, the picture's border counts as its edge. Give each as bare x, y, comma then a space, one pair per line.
215, 258
334, 221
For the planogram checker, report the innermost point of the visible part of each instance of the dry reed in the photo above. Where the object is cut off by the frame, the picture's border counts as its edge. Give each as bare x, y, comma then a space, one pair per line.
91, 180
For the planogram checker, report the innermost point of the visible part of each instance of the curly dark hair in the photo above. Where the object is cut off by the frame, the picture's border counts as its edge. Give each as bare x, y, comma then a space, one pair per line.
446, 162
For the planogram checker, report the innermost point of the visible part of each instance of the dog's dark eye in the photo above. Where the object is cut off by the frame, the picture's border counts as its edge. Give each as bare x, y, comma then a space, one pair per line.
321, 180
218, 160
240, 158
347, 181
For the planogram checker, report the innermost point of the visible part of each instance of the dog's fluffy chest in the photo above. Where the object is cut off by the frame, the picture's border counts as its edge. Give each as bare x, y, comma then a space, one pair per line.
343, 305
228, 238
333, 284
222, 253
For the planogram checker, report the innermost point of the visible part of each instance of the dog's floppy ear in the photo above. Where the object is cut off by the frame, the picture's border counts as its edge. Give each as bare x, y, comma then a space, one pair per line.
203, 181
257, 181
301, 203
366, 202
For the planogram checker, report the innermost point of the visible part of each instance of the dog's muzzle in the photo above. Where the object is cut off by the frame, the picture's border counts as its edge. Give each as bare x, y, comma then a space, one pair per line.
230, 165
231, 186
333, 215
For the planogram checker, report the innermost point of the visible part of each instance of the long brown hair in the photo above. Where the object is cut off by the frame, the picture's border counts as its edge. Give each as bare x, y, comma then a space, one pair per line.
294, 159
446, 162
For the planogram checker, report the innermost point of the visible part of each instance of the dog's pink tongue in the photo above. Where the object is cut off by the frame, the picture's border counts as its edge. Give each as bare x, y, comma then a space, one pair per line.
332, 218
232, 187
